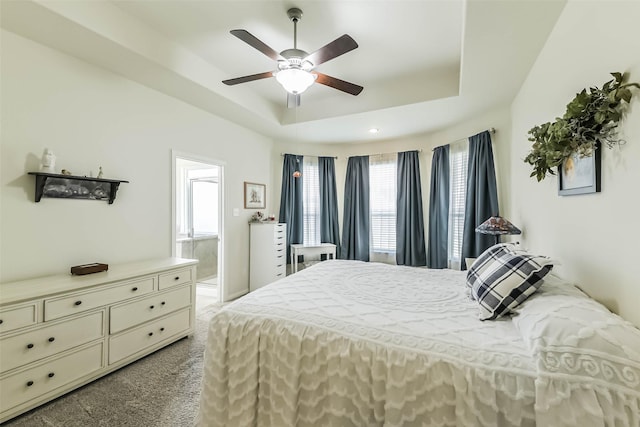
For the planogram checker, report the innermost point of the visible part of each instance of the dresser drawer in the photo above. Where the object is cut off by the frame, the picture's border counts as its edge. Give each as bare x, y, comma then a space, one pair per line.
279, 230
135, 340
16, 317
133, 313
174, 278
279, 240
18, 350
280, 270
37, 381
280, 265
65, 306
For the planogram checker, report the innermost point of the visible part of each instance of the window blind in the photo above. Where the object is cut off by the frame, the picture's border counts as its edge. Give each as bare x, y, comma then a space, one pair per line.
458, 161
382, 199
311, 200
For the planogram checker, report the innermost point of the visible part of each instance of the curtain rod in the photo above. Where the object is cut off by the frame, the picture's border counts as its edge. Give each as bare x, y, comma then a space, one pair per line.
419, 150
491, 130
308, 155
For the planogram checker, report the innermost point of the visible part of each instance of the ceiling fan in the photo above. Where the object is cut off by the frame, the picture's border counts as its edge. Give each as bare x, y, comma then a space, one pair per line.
296, 68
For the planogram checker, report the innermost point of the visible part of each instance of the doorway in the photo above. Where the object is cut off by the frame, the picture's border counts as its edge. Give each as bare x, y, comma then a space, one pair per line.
198, 220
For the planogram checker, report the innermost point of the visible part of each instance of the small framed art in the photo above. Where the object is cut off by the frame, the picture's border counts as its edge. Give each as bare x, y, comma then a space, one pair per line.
255, 195
580, 175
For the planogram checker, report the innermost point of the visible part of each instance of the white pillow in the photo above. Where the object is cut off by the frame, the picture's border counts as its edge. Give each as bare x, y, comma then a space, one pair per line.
588, 359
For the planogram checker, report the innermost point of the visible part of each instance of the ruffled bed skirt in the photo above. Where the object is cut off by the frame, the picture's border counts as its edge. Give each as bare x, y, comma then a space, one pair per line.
259, 373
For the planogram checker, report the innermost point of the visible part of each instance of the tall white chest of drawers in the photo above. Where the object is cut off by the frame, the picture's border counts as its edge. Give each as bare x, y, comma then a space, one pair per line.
60, 332
268, 253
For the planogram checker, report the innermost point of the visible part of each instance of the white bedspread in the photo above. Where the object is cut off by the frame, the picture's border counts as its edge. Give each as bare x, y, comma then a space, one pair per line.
347, 343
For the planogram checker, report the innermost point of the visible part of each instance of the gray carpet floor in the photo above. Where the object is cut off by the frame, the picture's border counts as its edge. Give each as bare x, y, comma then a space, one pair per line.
162, 389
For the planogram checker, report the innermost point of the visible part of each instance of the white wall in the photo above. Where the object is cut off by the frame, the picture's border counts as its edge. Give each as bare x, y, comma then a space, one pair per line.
498, 119
91, 117
595, 236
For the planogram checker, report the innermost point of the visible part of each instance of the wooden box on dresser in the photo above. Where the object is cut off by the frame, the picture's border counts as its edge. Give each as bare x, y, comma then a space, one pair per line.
60, 332
268, 253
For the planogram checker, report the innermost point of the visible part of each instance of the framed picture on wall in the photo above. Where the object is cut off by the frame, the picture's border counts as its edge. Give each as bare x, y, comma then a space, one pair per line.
580, 175
255, 195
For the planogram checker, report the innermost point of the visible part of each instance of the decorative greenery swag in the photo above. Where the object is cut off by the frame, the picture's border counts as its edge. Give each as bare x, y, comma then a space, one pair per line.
591, 118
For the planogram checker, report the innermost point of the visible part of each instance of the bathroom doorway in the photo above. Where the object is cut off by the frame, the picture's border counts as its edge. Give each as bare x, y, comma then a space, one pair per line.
197, 226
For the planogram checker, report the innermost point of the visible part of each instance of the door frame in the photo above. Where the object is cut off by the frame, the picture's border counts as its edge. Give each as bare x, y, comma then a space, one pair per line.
175, 154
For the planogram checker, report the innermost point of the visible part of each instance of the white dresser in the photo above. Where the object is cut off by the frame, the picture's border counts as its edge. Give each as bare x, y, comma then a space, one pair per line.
268, 253
60, 332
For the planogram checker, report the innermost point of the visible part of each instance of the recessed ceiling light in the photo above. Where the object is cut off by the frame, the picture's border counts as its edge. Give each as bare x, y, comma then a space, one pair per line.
374, 130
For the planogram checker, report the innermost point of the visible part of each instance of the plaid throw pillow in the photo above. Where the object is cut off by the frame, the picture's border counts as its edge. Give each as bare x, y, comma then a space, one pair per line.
507, 281
485, 259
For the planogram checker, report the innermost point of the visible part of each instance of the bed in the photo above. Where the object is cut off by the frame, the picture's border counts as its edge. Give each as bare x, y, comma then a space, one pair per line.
348, 343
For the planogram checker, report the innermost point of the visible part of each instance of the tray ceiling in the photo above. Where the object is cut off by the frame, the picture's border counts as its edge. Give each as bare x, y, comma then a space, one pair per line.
424, 65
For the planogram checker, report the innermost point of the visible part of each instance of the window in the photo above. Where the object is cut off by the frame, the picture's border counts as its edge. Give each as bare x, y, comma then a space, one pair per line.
458, 161
311, 200
383, 190
196, 199
382, 199
204, 200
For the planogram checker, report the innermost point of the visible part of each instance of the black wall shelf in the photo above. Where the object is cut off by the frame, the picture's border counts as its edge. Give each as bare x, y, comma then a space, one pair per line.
75, 187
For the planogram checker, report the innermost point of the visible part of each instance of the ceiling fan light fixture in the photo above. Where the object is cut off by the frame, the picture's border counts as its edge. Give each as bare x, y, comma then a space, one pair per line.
295, 66
295, 80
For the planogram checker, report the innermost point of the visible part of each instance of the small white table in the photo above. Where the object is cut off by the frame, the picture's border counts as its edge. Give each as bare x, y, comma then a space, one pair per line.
328, 249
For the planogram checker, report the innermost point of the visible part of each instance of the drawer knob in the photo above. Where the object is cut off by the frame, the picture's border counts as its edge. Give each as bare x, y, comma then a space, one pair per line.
29, 383
150, 333
78, 302
52, 339
29, 345
51, 375
161, 329
176, 278
151, 307
163, 303
135, 288
0, 321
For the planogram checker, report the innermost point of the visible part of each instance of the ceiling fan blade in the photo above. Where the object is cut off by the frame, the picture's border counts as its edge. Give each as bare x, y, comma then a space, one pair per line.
335, 83
339, 46
256, 43
293, 101
250, 78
